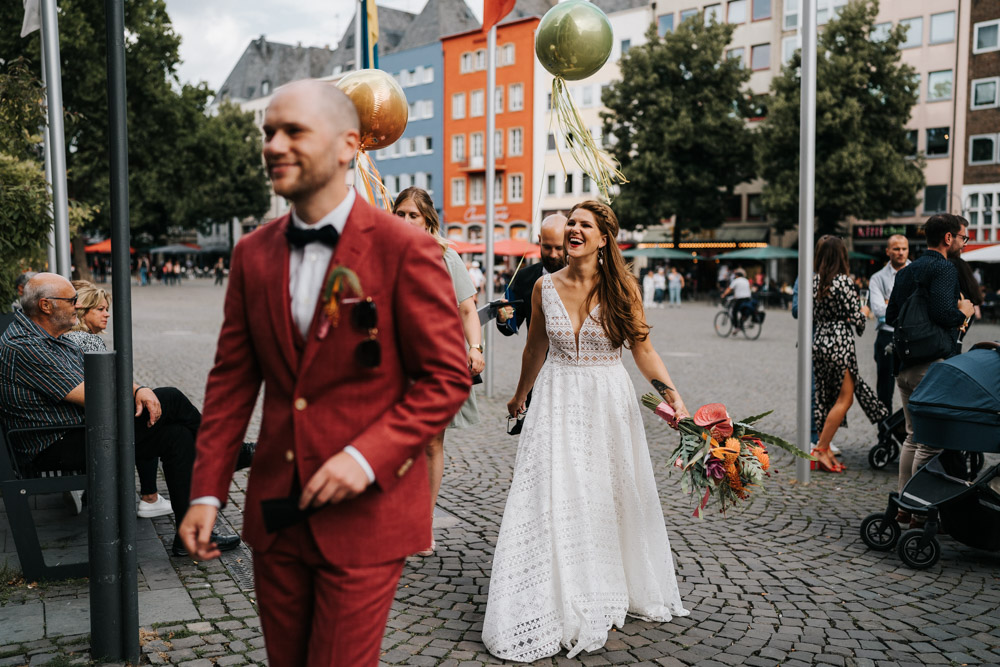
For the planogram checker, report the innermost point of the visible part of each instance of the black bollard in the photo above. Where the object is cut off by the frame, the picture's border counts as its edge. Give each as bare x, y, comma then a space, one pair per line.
102, 493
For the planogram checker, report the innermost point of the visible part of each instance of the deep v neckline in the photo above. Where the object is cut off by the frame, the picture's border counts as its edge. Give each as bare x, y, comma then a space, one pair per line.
562, 304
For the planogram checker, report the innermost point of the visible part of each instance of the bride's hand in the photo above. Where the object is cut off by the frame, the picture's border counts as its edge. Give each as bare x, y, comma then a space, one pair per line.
680, 409
515, 406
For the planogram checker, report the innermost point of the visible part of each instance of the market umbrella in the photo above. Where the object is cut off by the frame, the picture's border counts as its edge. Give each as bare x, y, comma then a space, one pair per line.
515, 247
658, 253
989, 254
760, 253
104, 247
175, 249
854, 254
461, 247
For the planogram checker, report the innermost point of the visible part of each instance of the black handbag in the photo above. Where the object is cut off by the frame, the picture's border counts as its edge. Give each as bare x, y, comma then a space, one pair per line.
916, 338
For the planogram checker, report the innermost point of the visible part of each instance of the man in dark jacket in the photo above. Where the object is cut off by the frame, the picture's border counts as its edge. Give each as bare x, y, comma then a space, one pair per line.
553, 251
947, 308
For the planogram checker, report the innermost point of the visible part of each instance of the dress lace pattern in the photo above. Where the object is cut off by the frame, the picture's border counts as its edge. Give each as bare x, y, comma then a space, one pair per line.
582, 542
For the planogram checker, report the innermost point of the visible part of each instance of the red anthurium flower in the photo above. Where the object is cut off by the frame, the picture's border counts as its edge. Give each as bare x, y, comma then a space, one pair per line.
715, 418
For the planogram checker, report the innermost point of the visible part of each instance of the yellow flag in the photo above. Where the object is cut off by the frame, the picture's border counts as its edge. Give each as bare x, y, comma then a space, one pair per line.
372, 11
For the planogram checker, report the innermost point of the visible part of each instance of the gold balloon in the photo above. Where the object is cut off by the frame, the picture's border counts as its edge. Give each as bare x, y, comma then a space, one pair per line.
574, 40
381, 104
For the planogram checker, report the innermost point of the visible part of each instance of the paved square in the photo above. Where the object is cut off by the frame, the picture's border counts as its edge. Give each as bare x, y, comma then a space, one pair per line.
788, 581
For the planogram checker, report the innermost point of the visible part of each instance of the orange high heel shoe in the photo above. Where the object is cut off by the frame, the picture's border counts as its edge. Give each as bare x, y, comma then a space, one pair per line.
817, 464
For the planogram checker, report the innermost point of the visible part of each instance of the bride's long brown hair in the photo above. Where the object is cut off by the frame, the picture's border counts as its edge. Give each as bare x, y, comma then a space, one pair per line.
616, 290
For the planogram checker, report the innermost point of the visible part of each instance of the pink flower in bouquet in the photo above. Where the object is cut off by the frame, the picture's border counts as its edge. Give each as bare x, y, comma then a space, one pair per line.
715, 468
667, 413
715, 418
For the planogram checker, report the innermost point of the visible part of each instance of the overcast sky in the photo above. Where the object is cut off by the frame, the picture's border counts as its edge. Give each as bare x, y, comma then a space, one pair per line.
216, 32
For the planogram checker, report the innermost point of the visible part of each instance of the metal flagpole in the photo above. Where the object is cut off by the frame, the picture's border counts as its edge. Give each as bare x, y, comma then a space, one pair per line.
50, 251
121, 286
807, 204
56, 135
357, 35
491, 81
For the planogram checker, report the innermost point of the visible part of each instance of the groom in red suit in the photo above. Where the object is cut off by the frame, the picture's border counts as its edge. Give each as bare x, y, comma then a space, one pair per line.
350, 400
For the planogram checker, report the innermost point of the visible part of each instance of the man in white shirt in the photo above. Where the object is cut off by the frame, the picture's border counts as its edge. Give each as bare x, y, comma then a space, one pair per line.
740, 289
879, 291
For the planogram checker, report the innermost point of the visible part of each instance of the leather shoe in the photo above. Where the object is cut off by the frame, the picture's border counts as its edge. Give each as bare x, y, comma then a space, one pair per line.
246, 455
223, 542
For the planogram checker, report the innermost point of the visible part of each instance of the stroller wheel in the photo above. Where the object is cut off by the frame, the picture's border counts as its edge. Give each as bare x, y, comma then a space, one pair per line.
975, 461
879, 456
915, 556
879, 534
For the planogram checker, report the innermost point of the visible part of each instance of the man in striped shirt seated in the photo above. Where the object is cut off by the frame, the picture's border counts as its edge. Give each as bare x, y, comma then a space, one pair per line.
41, 384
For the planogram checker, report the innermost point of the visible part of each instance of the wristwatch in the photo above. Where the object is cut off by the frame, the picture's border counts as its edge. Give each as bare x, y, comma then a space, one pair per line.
477, 347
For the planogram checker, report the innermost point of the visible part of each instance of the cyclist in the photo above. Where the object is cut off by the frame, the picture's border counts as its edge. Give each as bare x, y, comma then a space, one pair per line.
740, 289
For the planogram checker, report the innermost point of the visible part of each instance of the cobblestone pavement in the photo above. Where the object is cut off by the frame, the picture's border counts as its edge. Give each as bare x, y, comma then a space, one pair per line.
788, 581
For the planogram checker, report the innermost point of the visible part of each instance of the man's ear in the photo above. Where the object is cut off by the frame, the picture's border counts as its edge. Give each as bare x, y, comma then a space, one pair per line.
349, 148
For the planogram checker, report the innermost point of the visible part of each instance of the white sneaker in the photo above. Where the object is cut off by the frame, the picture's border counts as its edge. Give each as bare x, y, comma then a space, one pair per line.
74, 501
160, 507
834, 448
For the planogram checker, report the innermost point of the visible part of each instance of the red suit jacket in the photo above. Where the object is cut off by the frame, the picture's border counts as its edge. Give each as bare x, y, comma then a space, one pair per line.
318, 399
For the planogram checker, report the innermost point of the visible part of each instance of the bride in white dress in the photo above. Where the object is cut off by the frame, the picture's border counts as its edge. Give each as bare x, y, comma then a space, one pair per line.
582, 542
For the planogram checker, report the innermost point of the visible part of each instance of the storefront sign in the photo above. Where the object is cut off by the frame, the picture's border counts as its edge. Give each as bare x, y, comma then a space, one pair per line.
472, 214
883, 232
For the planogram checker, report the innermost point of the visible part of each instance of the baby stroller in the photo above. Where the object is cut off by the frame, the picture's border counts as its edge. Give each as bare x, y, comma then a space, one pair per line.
955, 408
891, 434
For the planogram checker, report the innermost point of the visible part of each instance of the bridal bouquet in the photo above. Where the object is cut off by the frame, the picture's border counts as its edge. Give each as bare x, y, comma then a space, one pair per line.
718, 456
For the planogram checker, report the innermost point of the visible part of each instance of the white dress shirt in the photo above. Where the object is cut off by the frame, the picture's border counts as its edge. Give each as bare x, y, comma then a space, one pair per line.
306, 271
879, 290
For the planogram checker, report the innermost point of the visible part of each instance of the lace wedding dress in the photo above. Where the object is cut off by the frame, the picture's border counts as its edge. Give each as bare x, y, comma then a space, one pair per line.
582, 541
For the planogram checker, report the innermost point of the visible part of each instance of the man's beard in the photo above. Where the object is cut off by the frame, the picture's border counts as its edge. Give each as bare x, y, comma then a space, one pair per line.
553, 264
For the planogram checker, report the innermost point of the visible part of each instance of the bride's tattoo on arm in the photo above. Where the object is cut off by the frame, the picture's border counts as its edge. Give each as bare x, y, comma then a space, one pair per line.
661, 388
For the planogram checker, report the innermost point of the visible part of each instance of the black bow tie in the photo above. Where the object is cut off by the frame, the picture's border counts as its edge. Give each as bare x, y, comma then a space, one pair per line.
298, 237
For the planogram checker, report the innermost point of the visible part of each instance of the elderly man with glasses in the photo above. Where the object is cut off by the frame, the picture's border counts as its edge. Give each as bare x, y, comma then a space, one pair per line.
41, 384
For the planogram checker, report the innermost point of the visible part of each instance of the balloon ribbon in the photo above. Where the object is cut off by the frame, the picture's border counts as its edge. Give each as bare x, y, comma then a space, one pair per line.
369, 183
593, 160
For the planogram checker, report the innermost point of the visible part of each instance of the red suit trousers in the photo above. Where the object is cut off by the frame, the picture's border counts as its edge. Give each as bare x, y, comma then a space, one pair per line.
317, 614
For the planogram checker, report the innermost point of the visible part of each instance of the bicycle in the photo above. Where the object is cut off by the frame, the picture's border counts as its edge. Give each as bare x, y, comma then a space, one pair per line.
753, 323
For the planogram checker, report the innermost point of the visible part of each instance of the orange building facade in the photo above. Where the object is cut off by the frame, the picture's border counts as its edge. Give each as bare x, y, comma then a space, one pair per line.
464, 153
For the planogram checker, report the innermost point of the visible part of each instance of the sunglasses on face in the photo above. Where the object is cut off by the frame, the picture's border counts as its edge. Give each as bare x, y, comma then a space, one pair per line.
365, 317
71, 299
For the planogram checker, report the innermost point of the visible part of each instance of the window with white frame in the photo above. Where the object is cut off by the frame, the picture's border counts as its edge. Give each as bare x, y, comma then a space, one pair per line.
418, 75
915, 34
420, 180
791, 14
827, 9
458, 148
585, 183
428, 144
458, 106
626, 44
498, 105
713, 13
476, 145
390, 184
411, 146
942, 28
761, 10
739, 53
737, 11
760, 56
938, 142
498, 189
983, 207
404, 182
428, 108
428, 75
568, 184
476, 187
498, 143
476, 106
688, 13
516, 185
516, 97
506, 55
480, 59
550, 145
880, 31
985, 93
986, 36
404, 78
788, 47
430, 183
935, 199
587, 96
467, 63
550, 184
983, 149
665, 24
939, 85
458, 192
515, 136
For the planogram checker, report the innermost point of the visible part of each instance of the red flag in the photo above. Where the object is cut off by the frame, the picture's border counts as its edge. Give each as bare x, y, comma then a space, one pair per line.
494, 11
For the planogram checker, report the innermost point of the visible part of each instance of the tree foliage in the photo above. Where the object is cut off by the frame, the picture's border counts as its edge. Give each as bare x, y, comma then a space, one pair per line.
864, 97
678, 122
171, 175
24, 198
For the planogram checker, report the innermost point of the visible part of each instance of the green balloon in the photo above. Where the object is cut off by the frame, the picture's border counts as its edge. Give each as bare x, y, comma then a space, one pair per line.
574, 40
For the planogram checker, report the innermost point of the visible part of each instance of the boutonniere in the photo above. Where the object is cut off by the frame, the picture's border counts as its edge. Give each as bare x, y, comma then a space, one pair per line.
340, 283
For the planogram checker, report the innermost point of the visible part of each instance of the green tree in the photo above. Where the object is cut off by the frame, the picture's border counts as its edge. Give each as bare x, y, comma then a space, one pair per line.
678, 122
864, 96
24, 198
166, 165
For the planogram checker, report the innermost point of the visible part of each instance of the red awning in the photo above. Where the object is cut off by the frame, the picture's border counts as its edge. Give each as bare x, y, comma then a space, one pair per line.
104, 247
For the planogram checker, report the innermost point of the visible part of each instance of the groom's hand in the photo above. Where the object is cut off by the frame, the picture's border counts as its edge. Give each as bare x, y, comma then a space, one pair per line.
338, 479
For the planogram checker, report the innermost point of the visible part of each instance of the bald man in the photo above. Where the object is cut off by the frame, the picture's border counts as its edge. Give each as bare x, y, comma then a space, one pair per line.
879, 290
553, 249
357, 381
